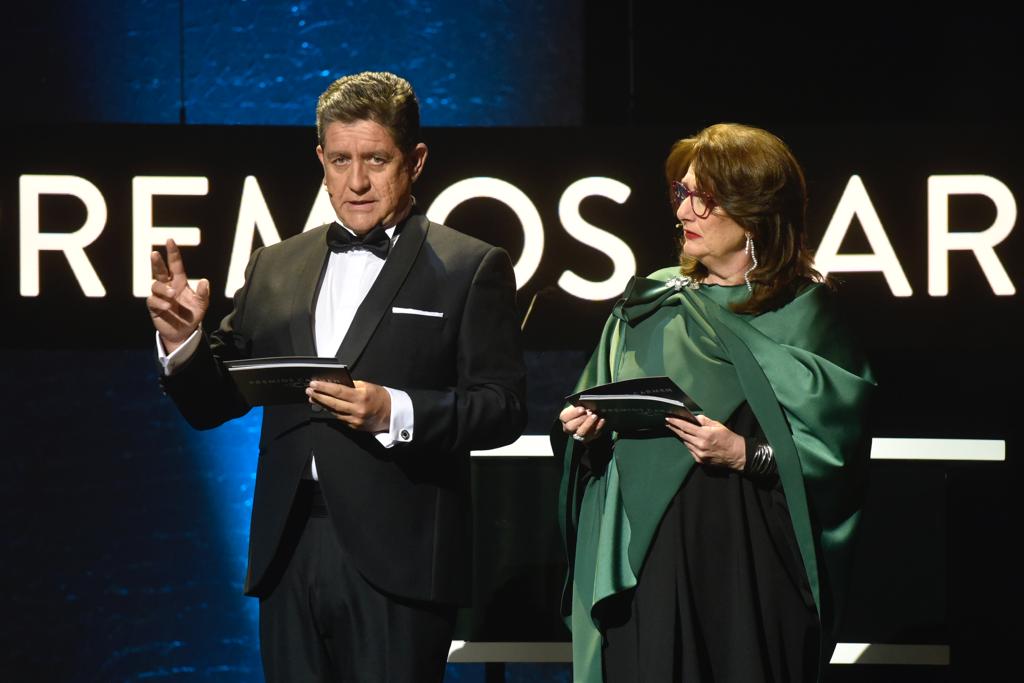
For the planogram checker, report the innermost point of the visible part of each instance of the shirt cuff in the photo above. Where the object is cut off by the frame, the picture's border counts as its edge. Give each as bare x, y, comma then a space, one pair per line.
400, 429
172, 361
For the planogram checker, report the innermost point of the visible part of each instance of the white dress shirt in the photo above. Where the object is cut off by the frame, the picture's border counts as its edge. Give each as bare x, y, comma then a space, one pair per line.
348, 279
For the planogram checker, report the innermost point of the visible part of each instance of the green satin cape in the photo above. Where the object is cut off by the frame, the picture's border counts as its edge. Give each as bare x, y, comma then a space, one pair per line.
808, 387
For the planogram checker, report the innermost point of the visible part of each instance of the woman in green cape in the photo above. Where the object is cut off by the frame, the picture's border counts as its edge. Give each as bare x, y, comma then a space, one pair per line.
718, 550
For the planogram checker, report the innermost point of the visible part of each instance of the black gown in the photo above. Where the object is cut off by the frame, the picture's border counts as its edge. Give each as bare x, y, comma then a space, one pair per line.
722, 595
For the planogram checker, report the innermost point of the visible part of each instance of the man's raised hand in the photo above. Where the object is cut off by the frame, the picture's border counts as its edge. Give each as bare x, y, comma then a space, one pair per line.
177, 310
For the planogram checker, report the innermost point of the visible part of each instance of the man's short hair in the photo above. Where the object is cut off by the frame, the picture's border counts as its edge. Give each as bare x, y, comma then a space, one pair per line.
378, 96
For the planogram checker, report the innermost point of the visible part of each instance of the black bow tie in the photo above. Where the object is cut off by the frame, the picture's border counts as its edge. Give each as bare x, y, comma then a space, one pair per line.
376, 241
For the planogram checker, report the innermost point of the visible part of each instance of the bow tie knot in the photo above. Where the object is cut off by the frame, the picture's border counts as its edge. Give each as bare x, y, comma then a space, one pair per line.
376, 241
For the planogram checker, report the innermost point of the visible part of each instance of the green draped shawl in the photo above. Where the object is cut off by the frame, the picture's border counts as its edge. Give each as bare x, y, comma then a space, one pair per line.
806, 384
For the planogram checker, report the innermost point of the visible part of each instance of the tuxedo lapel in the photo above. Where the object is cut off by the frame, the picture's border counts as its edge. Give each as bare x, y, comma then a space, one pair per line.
384, 289
304, 294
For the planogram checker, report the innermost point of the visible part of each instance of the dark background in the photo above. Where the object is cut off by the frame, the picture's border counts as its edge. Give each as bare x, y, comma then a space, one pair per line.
123, 538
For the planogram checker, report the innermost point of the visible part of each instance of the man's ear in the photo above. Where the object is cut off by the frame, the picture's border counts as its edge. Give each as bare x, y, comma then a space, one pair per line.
417, 159
320, 156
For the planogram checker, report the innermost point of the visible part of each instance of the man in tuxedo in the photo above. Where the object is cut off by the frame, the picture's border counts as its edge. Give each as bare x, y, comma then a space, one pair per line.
359, 546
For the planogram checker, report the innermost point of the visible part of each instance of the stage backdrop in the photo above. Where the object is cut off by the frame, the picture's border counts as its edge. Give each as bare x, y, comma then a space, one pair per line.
125, 532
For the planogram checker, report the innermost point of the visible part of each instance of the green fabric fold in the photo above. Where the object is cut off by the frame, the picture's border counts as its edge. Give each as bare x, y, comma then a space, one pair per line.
805, 382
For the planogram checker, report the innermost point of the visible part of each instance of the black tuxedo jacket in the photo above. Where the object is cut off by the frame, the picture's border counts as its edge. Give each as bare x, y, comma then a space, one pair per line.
402, 513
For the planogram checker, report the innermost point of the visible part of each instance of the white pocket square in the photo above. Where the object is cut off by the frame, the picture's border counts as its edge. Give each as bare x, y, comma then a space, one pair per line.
417, 311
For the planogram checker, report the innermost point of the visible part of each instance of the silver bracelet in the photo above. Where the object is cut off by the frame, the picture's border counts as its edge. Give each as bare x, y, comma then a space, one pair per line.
762, 462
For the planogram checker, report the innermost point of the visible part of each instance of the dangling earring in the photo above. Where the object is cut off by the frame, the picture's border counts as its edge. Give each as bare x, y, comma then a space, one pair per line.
753, 257
679, 225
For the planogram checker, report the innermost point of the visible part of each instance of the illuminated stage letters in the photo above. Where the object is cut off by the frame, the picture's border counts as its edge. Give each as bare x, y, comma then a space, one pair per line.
855, 203
533, 229
33, 240
254, 218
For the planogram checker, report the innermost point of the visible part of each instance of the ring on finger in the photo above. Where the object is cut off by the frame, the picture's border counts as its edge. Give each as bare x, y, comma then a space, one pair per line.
577, 437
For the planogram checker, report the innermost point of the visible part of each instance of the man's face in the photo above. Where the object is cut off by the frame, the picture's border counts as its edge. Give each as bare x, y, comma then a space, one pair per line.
368, 178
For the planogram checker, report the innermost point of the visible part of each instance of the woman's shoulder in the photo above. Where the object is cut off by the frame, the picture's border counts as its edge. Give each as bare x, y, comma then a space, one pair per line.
805, 300
664, 274
815, 321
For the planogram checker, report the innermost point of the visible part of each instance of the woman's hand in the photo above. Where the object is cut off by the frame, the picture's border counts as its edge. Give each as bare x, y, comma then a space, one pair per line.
582, 424
710, 442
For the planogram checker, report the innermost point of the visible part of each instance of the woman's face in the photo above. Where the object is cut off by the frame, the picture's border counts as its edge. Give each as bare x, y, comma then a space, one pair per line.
717, 241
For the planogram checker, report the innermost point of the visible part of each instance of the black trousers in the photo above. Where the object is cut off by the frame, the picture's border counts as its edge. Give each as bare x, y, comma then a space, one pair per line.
323, 622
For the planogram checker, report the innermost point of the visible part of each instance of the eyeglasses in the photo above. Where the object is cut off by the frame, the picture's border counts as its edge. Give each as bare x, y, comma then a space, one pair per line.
701, 202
